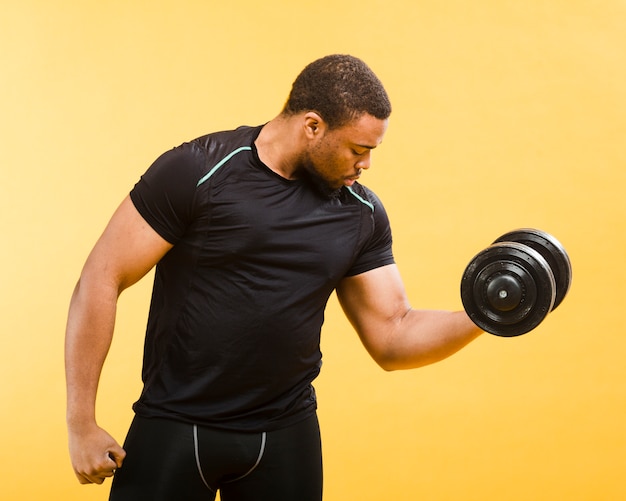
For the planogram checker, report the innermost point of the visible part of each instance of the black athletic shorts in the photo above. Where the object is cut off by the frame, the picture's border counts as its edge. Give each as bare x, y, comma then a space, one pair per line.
172, 461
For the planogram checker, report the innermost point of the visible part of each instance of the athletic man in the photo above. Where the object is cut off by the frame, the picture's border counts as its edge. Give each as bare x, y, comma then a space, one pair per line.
250, 230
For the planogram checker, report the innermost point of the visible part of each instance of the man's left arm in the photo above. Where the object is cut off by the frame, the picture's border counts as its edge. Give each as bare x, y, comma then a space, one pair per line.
394, 334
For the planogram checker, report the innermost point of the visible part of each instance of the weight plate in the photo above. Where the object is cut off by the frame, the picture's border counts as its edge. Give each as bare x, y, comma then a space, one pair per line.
551, 250
508, 289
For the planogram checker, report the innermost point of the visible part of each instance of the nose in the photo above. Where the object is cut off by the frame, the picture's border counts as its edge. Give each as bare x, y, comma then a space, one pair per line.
365, 161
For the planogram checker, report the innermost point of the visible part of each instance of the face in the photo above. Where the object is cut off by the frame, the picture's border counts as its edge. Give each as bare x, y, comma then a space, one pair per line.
338, 156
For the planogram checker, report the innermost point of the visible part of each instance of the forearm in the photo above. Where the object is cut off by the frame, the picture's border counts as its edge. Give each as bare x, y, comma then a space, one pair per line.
88, 338
94, 453
423, 337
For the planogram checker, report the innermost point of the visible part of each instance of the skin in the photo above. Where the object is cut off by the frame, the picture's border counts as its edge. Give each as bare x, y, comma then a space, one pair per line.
395, 335
292, 145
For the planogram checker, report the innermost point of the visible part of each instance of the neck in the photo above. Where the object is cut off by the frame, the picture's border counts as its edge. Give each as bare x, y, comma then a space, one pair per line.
279, 146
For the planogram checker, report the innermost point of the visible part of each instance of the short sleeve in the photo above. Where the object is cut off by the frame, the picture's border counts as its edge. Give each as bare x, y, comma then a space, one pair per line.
377, 250
165, 195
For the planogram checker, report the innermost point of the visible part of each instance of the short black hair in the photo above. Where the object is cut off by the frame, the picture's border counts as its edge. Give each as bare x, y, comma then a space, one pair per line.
340, 88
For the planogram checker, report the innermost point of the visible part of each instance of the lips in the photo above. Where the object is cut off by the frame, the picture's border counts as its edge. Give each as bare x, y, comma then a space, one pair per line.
355, 177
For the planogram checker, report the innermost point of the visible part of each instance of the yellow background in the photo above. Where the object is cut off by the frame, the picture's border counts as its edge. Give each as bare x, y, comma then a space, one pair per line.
506, 114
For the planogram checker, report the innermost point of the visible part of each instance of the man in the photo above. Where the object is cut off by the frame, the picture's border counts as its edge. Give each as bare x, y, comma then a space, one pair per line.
250, 230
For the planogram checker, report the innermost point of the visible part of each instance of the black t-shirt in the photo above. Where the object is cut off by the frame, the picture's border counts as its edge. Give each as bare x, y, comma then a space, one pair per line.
238, 303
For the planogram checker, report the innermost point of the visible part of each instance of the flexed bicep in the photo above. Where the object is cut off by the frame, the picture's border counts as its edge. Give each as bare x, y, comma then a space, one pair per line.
375, 303
396, 335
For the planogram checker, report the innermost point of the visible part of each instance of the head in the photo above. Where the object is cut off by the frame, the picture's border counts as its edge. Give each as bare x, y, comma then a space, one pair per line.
335, 158
344, 109
339, 88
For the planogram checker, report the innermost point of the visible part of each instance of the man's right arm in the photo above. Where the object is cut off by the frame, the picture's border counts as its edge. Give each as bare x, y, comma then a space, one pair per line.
125, 252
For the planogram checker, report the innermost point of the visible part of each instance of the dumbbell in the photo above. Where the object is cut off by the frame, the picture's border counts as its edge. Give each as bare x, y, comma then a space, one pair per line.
508, 288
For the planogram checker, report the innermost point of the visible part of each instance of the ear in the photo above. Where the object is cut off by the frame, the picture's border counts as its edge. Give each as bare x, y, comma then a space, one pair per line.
314, 125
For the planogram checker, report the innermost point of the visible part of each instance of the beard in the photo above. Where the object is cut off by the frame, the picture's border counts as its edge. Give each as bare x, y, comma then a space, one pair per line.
318, 182
320, 185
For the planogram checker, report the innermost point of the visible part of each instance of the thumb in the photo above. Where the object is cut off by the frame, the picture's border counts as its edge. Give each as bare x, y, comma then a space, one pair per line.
117, 455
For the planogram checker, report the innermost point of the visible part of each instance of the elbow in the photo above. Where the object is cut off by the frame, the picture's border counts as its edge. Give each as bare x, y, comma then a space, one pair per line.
384, 352
387, 362
389, 367
390, 361
398, 364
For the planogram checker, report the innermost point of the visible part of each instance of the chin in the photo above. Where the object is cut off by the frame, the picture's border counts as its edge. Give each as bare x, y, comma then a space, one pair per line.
323, 186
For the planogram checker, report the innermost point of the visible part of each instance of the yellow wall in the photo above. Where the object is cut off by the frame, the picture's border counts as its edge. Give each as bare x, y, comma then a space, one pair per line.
507, 114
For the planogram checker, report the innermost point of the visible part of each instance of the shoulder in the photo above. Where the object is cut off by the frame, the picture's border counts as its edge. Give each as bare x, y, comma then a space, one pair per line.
218, 148
366, 196
217, 144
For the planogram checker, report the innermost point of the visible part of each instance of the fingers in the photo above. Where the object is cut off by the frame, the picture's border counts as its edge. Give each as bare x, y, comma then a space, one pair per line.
95, 454
104, 469
117, 455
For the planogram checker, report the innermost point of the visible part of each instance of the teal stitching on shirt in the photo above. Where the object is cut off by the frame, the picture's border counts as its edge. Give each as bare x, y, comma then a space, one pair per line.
222, 162
360, 198
248, 148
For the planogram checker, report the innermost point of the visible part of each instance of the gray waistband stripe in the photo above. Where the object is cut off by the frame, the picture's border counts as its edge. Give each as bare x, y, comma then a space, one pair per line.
196, 452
